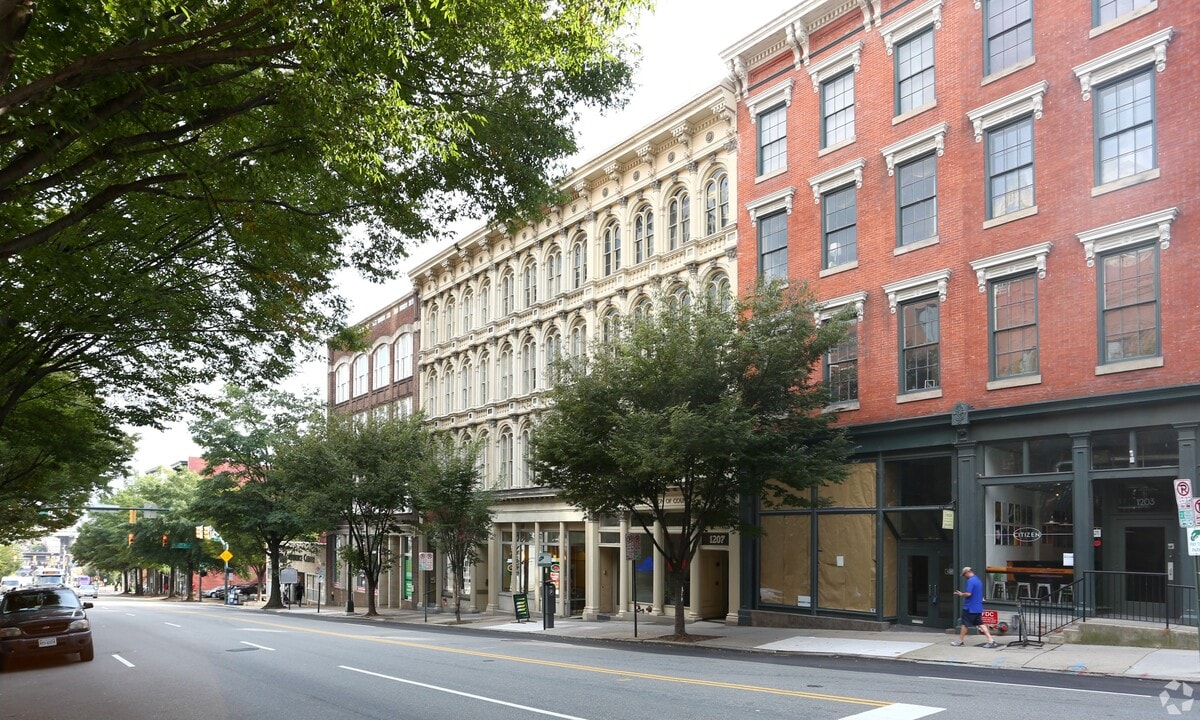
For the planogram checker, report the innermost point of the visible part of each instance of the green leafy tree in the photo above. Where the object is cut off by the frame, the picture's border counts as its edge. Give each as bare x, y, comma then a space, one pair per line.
687, 411
10, 559
59, 448
245, 492
454, 508
178, 179
361, 473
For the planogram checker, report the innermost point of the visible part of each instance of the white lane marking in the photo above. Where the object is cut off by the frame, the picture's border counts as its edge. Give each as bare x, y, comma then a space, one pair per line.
123, 661
261, 630
898, 711
260, 647
131, 615
463, 694
1036, 687
172, 624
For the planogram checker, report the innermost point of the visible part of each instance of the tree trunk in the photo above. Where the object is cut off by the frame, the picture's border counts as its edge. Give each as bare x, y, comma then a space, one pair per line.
680, 627
274, 600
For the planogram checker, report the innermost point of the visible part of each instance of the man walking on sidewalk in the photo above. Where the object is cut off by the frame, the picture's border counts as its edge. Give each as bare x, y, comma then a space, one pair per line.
972, 611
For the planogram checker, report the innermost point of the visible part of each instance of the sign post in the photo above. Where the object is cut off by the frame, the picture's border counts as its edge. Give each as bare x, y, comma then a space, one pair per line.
633, 548
1189, 520
425, 561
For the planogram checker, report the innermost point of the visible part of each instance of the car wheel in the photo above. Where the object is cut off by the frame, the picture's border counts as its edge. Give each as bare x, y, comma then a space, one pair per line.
87, 654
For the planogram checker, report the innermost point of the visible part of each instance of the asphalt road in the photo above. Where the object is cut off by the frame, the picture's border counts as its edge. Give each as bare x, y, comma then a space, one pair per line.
160, 660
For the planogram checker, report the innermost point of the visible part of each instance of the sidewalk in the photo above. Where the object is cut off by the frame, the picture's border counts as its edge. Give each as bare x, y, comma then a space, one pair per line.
911, 645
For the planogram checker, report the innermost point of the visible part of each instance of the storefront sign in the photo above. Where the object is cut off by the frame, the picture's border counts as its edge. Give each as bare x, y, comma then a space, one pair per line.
715, 539
947, 519
1027, 534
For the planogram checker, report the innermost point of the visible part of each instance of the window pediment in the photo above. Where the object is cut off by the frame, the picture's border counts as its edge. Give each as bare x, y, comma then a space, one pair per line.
768, 204
829, 308
927, 284
770, 98
849, 56
928, 14
1020, 103
914, 145
1150, 49
851, 172
1153, 226
1010, 263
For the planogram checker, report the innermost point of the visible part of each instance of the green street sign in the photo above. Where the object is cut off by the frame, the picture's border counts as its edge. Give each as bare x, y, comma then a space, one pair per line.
181, 546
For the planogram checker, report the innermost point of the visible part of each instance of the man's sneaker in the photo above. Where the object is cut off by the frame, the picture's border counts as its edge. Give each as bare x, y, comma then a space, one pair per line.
992, 644
956, 643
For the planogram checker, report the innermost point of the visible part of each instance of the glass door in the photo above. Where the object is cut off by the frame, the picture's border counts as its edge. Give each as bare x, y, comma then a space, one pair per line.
927, 586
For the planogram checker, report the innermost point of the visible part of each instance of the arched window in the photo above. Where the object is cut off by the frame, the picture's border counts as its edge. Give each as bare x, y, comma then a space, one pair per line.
716, 202
506, 372
612, 248
431, 387
641, 310
485, 307
404, 357
508, 294
552, 354
360, 375
431, 326
681, 296
719, 290
578, 339
679, 218
643, 234
554, 270
526, 466
529, 366
531, 283
481, 379
468, 322
609, 327
447, 390
485, 459
465, 379
381, 368
578, 262
504, 459
451, 318
341, 384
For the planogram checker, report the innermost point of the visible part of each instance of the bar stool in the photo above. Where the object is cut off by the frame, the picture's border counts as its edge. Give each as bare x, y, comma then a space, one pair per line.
1023, 590
1065, 591
1044, 587
999, 586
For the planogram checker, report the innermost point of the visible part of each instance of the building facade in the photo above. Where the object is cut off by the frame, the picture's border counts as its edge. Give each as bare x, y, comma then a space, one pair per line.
379, 380
651, 218
1005, 192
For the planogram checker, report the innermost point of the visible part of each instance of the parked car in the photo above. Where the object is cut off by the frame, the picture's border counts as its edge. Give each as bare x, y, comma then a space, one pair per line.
46, 621
88, 590
217, 592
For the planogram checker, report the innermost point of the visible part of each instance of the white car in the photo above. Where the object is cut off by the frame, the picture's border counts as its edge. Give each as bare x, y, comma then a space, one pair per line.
88, 590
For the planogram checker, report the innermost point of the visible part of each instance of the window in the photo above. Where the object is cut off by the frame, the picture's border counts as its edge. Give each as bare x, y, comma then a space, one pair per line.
916, 199
841, 367
531, 283
679, 217
447, 390
360, 375
553, 354
1108, 10
554, 268
772, 140
430, 397
1010, 168
380, 375
914, 72
1125, 127
643, 234
1014, 326
611, 238
919, 341
578, 340
431, 333
578, 263
1008, 35
609, 327
485, 307
837, 110
772, 247
451, 317
481, 378
529, 366
840, 226
465, 379
341, 384
468, 322
716, 202
1129, 304
404, 357
508, 294
504, 451
506, 372
720, 291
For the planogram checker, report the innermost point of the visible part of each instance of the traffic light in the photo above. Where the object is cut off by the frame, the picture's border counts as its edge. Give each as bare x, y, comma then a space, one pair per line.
132, 516
130, 538
164, 541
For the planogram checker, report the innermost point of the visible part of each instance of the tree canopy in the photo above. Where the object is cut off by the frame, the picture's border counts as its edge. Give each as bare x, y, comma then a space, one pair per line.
178, 180
688, 410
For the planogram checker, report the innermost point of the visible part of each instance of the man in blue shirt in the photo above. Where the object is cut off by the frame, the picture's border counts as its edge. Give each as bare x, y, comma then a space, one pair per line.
972, 611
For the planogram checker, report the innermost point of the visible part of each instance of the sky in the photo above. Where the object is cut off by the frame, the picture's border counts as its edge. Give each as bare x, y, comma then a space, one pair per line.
681, 42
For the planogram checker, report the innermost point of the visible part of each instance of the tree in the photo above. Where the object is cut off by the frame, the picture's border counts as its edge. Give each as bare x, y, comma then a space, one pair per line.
688, 410
241, 435
361, 472
178, 180
454, 509
59, 448
10, 559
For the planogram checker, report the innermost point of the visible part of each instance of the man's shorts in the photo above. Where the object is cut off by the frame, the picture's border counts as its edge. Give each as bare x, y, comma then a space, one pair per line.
971, 619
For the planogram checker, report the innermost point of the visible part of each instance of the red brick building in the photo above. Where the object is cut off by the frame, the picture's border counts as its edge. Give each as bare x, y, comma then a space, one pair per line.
1004, 192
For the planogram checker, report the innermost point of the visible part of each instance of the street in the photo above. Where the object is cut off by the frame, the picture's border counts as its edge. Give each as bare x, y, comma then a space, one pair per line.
158, 659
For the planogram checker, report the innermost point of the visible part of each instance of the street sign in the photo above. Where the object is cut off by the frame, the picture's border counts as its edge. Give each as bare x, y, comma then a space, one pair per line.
181, 546
289, 576
425, 560
1183, 493
1187, 518
226, 556
1193, 535
633, 546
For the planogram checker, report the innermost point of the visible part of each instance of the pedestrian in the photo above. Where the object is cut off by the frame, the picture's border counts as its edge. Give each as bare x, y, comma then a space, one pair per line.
300, 595
972, 611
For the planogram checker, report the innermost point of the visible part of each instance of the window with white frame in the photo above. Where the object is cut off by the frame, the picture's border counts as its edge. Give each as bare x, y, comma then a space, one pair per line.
610, 237
529, 362
578, 339
508, 294
773, 247
531, 284
1008, 33
381, 372
451, 315
341, 384
643, 233
403, 407
1010, 168
609, 327
485, 303
552, 355
505, 370
430, 395
720, 291
679, 218
466, 379
716, 202
1125, 127
360, 375
916, 200
915, 72
431, 326
404, 357
504, 457
772, 140
1129, 303
1010, 279
526, 466
920, 343
837, 110
448, 390
481, 378
839, 223
554, 268
468, 321
841, 361
578, 262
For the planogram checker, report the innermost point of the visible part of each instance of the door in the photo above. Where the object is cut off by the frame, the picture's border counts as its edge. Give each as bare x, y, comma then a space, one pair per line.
1145, 591
926, 586
714, 576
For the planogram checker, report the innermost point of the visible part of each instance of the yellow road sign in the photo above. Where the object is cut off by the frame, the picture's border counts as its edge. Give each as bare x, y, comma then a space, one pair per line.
226, 556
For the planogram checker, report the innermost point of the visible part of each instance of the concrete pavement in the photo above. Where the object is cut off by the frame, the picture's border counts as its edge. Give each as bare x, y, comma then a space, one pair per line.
911, 645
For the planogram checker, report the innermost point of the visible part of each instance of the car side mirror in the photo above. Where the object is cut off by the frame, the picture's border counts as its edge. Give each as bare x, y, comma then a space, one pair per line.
88, 606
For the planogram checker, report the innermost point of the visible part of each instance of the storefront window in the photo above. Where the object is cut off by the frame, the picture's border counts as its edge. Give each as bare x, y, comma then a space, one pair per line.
1048, 454
1146, 447
856, 491
1030, 537
846, 562
916, 482
643, 570
784, 556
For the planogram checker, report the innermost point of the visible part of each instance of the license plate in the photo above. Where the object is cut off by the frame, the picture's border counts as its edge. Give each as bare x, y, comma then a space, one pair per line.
47, 642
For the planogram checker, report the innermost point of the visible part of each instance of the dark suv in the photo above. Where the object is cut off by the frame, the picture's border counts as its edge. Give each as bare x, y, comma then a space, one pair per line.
44, 621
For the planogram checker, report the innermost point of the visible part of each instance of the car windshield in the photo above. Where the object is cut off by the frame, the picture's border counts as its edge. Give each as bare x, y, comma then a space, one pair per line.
23, 602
